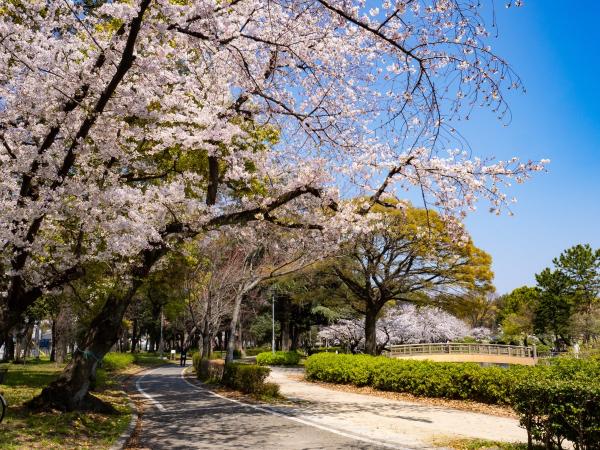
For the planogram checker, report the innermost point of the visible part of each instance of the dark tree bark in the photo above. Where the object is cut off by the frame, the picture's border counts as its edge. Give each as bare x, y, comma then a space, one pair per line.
53, 350
295, 338
9, 348
371, 329
135, 338
70, 391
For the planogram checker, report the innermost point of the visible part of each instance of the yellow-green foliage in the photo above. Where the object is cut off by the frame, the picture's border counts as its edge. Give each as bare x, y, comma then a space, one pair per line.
117, 361
278, 359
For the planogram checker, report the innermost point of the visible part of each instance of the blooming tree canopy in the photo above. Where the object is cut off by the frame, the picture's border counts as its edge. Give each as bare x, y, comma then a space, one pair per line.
405, 324
125, 122
127, 125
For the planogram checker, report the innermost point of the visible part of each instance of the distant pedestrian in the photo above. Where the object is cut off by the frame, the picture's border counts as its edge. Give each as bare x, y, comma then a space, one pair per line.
183, 357
576, 349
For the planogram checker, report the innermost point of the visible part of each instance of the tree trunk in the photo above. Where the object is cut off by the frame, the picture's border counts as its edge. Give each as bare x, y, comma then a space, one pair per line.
206, 345
70, 390
371, 330
239, 342
220, 340
53, 349
28, 341
235, 315
60, 347
23, 337
13, 307
9, 348
295, 337
284, 314
134, 336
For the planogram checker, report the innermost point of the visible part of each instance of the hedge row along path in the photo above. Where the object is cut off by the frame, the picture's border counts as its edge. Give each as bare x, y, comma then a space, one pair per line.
183, 415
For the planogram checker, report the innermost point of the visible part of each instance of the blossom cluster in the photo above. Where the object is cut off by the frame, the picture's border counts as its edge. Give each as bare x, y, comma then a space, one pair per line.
110, 117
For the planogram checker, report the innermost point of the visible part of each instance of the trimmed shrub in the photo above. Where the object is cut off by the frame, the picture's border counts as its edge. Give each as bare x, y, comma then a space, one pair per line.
278, 359
210, 370
553, 411
270, 390
114, 361
249, 379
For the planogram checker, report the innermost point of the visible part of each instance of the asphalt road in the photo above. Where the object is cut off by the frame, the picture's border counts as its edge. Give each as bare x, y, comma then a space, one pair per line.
183, 415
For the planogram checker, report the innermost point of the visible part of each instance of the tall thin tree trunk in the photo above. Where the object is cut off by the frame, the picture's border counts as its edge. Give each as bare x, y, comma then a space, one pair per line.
205, 345
235, 315
53, 350
295, 336
134, 336
284, 313
239, 342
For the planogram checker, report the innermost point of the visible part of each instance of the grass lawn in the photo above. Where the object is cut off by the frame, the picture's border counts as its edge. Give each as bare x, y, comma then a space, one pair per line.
23, 429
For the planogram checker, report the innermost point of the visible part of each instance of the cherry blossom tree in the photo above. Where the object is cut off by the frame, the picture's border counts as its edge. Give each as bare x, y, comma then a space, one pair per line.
405, 324
347, 332
234, 262
128, 126
409, 324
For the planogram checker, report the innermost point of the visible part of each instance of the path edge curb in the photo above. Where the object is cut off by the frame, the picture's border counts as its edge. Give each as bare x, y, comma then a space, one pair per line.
122, 440
126, 435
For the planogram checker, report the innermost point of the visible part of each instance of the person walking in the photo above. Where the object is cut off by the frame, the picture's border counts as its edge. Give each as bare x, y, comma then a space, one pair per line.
183, 357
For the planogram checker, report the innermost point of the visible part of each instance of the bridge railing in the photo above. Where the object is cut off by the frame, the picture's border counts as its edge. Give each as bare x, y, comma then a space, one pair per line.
460, 348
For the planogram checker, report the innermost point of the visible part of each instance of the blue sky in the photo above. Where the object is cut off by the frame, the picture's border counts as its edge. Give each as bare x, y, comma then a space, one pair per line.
555, 48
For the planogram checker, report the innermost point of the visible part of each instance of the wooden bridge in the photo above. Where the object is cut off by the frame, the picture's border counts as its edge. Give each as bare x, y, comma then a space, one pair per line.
456, 352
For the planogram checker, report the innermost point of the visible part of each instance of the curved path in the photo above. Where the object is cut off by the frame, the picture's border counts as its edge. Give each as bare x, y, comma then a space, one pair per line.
183, 415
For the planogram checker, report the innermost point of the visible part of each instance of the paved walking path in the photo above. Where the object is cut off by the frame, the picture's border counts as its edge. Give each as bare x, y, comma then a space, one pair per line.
182, 415
414, 425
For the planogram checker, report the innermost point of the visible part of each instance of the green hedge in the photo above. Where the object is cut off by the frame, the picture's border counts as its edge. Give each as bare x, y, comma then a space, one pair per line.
423, 378
328, 350
553, 411
278, 359
249, 379
557, 401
